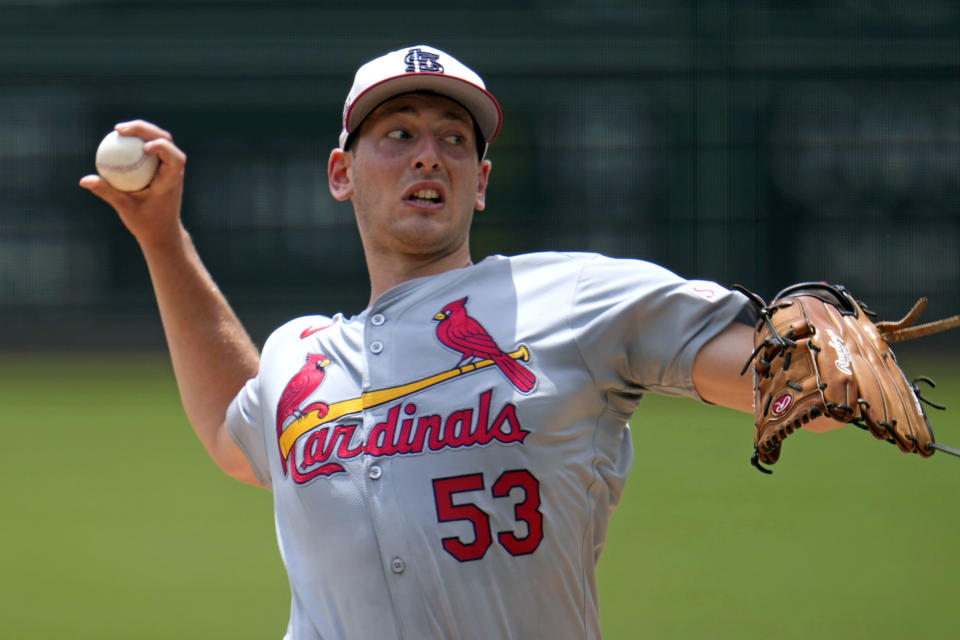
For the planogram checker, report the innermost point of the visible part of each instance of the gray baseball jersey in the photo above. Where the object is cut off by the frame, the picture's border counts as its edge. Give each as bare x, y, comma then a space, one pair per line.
444, 463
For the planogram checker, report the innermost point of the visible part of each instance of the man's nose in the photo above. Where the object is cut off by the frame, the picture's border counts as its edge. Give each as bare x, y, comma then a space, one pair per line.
427, 154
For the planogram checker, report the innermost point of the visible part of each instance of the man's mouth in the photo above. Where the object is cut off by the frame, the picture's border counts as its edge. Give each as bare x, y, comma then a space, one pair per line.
425, 196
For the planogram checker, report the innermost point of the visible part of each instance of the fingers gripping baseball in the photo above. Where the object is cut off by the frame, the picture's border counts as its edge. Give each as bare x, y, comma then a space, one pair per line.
152, 214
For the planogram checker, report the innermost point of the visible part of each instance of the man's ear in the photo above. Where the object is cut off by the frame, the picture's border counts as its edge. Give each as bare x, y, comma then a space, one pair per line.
483, 176
338, 176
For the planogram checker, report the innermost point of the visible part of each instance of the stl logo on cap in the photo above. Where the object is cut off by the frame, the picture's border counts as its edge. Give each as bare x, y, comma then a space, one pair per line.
419, 61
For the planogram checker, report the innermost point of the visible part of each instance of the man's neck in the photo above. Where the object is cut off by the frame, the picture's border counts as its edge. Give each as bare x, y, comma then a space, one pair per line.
388, 273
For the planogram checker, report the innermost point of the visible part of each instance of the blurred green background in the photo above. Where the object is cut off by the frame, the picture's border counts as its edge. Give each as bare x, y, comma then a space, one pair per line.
704, 136
116, 525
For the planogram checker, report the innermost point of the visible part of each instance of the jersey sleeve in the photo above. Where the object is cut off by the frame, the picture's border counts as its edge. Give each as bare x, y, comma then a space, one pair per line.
640, 324
244, 419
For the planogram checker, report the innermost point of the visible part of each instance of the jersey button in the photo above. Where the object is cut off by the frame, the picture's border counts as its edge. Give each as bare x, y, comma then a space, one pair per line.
377, 319
397, 565
375, 472
376, 346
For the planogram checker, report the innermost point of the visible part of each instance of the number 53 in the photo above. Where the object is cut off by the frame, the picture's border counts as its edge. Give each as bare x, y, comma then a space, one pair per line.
527, 511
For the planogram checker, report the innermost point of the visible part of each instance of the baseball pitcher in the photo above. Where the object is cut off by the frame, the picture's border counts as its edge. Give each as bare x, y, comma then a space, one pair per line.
445, 462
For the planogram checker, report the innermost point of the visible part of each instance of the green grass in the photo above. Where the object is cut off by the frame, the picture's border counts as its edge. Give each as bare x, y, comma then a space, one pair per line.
849, 538
116, 525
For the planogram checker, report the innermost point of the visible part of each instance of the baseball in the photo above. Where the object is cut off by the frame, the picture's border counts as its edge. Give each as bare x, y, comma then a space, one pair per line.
122, 162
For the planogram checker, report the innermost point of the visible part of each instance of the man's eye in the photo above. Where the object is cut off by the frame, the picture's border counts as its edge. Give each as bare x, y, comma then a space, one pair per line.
455, 139
398, 134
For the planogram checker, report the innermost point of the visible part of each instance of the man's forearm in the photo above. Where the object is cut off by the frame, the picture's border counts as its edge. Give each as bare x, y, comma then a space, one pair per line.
211, 352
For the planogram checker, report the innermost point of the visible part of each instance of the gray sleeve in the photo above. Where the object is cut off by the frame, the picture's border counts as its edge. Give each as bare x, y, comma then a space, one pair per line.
640, 325
244, 422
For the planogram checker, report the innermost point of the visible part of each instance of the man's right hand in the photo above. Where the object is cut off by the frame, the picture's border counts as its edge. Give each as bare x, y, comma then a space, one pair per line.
152, 214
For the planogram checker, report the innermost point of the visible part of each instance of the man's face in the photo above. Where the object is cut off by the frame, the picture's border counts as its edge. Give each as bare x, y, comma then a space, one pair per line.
414, 176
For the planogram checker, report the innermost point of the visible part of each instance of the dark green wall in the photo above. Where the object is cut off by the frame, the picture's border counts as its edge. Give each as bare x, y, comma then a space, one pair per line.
711, 137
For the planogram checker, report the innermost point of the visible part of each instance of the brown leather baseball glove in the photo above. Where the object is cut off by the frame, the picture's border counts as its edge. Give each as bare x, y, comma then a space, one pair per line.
819, 354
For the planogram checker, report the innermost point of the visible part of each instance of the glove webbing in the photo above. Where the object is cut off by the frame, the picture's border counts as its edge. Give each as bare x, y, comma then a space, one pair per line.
902, 330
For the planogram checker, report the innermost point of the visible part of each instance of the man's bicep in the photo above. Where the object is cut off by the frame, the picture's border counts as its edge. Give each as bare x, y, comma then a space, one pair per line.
717, 367
232, 460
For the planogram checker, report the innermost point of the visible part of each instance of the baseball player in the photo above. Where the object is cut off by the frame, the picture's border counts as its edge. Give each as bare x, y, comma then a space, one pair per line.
443, 463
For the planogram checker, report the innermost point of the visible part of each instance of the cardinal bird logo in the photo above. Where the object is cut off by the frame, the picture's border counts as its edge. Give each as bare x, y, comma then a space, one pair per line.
463, 333
298, 389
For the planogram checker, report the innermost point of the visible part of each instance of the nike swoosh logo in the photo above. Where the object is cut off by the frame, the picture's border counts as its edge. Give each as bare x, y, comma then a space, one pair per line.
309, 331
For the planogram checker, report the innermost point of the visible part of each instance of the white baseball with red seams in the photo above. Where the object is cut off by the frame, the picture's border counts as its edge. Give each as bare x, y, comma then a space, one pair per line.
122, 162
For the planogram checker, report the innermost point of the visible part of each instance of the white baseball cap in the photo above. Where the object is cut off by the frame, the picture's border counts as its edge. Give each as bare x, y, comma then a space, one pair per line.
419, 68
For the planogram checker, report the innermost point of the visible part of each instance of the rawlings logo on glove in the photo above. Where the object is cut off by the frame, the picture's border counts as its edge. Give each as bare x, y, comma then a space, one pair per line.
817, 353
